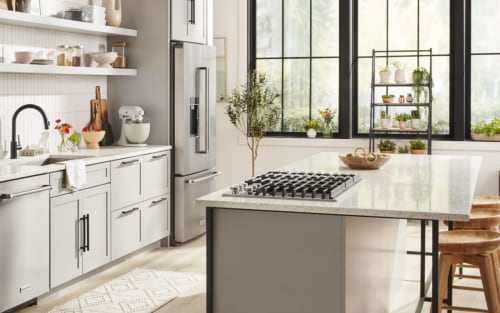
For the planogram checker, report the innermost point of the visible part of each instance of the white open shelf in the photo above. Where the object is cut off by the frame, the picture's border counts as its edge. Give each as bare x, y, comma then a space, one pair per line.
47, 22
65, 70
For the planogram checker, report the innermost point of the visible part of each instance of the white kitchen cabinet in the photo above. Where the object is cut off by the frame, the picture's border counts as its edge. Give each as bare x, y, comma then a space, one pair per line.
189, 20
125, 231
140, 201
126, 186
79, 228
155, 219
156, 178
24, 240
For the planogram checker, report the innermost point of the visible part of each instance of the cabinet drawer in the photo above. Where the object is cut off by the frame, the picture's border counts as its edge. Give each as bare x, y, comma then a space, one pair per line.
156, 174
97, 174
125, 231
155, 219
126, 182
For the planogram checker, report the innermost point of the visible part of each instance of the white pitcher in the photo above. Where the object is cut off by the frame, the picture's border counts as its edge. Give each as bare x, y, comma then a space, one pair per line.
113, 12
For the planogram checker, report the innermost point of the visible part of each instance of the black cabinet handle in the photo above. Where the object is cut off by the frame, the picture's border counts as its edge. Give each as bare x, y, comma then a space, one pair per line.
193, 13
129, 211
158, 201
84, 228
157, 157
88, 232
125, 163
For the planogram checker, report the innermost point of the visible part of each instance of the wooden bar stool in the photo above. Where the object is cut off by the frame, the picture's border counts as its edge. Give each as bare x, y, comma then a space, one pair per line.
486, 202
477, 247
487, 218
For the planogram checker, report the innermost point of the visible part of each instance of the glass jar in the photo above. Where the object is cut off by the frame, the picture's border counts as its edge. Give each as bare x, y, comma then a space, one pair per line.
61, 55
69, 56
401, 99
409, 98
119, 48
77, 57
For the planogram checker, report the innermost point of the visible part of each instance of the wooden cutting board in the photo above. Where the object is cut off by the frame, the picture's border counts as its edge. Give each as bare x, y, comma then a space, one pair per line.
96, 111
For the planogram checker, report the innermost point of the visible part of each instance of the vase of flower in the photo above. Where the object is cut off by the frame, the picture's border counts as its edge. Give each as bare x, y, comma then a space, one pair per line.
64, 130
327, 115
63, 145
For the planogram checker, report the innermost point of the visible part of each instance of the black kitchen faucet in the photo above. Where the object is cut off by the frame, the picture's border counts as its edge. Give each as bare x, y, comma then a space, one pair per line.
13, 143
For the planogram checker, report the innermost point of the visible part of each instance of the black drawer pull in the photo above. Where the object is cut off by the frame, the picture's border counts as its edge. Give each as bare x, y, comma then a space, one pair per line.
129, 211
125, 163
156, 157
158, 201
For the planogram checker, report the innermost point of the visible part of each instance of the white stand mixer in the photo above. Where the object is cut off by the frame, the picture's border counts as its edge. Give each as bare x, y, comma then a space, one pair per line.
130, 114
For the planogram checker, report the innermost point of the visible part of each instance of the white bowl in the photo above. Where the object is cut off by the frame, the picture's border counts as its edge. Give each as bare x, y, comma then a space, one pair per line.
137, 132
104, 59
24, 57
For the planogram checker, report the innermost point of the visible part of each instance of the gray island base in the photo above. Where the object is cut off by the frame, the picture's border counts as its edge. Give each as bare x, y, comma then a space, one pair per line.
344, 256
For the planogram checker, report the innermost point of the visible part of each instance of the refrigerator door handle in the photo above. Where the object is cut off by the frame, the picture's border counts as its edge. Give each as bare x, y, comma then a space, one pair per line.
202, 93
198, 180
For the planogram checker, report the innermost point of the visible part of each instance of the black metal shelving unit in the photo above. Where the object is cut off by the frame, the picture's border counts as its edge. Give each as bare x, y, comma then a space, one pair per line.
378, 132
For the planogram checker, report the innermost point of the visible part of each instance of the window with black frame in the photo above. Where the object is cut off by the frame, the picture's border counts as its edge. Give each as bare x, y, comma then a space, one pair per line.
484, 61
404, 25
297, 45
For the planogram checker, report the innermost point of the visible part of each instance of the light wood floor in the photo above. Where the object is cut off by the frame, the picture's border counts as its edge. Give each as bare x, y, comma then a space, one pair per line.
190, 257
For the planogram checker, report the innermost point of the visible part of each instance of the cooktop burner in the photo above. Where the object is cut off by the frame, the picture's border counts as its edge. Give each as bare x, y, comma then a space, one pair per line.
295, 185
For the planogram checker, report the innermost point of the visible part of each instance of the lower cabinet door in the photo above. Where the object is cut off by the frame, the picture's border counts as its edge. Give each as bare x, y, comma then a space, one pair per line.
65, 239
125, 231
155, 219
96, 206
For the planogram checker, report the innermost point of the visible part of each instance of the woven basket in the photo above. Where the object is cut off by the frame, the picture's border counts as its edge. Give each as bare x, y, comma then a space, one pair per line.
366, 162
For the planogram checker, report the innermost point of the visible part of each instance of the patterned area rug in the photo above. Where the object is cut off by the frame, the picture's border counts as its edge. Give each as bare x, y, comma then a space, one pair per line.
140, 291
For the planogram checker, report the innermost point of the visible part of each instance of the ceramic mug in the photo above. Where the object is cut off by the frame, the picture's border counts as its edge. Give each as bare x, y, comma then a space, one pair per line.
113, 12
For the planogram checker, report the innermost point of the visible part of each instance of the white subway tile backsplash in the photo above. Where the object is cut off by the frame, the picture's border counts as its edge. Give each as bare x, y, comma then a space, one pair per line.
61, 96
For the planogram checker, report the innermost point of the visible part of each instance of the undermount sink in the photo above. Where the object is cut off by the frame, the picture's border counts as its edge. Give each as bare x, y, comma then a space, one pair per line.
51, 159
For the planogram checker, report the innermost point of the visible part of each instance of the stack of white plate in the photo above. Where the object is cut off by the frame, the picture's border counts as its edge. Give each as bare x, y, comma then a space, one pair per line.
96, 14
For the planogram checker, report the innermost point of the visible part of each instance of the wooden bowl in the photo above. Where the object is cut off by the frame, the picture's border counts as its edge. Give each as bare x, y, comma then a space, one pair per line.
93, 137
364, 161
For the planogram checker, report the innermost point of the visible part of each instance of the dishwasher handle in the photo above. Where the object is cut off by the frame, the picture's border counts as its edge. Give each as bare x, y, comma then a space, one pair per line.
10, 196
197, 180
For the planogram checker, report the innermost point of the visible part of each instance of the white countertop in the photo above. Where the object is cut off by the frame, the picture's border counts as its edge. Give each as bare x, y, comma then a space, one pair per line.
407, 186
25, 166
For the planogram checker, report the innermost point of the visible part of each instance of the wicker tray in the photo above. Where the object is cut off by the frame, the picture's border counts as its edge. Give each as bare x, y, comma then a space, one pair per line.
370, 161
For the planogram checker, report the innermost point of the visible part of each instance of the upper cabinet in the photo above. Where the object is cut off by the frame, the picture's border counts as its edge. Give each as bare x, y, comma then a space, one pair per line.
189, 20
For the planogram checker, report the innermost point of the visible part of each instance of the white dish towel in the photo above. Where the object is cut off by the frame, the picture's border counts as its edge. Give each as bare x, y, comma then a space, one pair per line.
76, 174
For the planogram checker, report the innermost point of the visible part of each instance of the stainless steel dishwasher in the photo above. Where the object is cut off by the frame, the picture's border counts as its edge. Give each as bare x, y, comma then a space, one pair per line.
24, 240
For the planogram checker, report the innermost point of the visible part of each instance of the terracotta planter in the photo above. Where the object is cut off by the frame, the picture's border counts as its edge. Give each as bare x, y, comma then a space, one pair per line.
388, 99
402, 125
417, 151
387, 151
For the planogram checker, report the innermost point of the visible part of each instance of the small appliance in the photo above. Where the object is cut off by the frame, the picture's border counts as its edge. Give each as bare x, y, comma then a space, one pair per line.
134, 131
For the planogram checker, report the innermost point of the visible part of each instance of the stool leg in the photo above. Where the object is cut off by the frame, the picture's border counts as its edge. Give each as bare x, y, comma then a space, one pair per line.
489, 281
496, 269
445, 262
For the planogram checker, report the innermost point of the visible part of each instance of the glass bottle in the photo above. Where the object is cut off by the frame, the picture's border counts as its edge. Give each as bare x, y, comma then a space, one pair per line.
401, 99
61, 55
409, 98
77, 58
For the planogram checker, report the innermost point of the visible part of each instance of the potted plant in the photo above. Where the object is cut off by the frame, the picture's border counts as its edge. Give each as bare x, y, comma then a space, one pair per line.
74, 138
252, 111
312, 127
388, 98
402, 118
417, 146
404, 149
386, 146
421, 78
399, 73
385, 119
415, 119
385, 74
484, 131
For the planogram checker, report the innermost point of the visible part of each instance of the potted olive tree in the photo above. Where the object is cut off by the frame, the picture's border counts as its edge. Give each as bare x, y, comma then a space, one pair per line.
252, 111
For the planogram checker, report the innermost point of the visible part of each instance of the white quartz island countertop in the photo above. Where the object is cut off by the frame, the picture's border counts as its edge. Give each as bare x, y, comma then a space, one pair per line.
25, 166
433, 187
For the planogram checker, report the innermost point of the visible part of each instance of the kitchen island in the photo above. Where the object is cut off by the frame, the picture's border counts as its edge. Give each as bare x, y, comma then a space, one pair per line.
287, 255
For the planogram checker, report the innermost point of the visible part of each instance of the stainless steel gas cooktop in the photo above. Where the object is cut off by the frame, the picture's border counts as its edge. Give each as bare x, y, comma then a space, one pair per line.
295, 185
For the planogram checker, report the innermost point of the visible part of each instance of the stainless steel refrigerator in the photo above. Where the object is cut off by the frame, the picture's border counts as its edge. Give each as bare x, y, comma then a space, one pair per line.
193, 98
